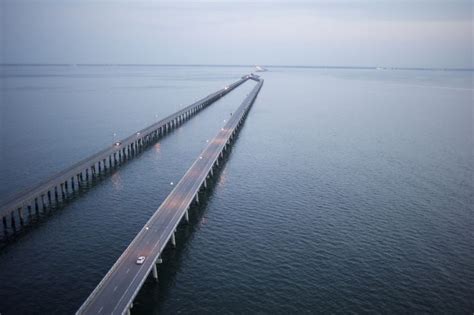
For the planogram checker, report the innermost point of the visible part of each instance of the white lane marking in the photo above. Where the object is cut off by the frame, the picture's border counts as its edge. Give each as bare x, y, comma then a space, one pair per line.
100, 310
127, 270
115, 289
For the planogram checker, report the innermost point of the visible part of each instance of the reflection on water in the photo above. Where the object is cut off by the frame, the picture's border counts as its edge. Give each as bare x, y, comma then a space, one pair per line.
117, 181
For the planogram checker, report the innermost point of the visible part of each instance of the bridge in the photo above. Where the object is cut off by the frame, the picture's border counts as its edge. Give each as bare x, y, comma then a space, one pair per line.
117, 290
59, 187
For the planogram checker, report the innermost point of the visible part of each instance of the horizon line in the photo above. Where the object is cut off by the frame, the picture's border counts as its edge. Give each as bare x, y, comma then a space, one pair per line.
245, 65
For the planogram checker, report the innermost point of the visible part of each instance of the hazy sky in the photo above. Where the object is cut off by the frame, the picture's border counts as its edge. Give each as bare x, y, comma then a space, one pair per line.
427, 33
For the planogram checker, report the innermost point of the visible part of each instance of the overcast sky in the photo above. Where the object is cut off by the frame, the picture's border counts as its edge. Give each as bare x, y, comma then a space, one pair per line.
425, 33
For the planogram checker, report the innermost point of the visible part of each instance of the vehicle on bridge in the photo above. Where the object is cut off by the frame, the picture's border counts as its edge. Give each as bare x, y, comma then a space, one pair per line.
140, 260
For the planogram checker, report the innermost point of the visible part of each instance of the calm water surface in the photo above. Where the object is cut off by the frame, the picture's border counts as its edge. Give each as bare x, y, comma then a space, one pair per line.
346, 190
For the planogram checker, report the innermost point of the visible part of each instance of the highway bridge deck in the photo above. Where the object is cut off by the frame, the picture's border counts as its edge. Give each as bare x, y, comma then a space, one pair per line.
117, 290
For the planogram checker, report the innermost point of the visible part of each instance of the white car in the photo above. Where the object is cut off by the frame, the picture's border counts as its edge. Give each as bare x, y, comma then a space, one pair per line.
140, 260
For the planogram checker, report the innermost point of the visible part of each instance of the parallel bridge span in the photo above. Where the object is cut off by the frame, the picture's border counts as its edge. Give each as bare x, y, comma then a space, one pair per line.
119, 287
62, 185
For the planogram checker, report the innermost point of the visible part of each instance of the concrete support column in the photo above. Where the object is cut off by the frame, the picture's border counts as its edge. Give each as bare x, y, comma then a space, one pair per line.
56, 197
36, 205
62, 192
186, 215
73, 185
13, 224
87, 174
66, 187
173, 239
78, 177
29, 210
20, 215
43, 202
197, 197
205, 183
49, 198
155, 272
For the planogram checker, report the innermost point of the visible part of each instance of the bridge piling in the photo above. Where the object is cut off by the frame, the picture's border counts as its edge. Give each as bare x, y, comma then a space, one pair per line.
13, 221
20, 216
173, 239
62, 192
155, 272
43, 203
56, 198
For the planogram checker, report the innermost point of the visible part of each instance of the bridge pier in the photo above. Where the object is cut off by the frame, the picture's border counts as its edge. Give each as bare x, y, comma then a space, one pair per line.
43, 203
197, 197
186, 215
56, 197
62, 192
155, 272
20, 215
13, 221
28, 207
173, 239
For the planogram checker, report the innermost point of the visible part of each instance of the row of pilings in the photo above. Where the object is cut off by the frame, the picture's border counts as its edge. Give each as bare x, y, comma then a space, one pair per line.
69, 185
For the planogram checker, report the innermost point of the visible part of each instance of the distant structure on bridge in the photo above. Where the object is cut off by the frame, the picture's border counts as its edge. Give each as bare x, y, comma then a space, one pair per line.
23, 208
119, 287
